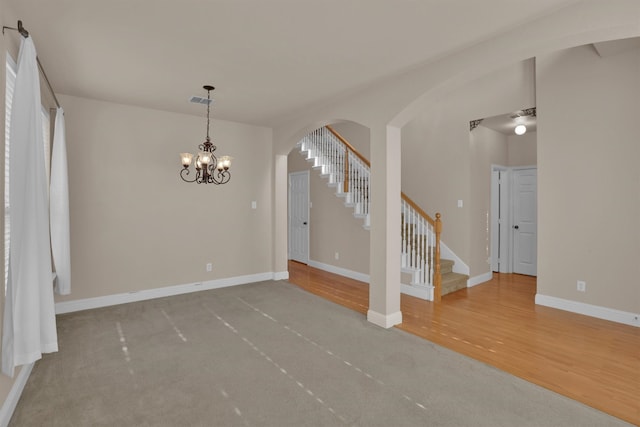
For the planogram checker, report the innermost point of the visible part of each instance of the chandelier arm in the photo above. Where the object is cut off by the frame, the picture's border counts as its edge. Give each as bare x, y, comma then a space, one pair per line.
184, 172
223, 177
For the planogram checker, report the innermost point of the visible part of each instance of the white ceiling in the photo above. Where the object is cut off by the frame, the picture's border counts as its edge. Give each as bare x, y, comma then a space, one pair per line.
267, 59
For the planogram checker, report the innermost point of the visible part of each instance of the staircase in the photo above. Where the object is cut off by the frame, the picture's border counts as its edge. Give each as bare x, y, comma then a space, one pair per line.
348, 172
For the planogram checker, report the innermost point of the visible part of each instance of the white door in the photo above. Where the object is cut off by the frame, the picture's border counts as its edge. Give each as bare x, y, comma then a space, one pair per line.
525, 224
299, 216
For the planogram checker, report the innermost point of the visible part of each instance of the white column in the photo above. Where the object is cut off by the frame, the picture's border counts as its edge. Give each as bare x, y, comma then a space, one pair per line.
384, 255
280, 227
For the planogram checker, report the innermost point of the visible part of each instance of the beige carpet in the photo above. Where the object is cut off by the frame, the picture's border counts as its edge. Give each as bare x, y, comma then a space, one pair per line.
269, 354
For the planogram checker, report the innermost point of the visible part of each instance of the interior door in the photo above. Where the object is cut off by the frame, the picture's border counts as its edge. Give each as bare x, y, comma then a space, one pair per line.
299, 216
525, 223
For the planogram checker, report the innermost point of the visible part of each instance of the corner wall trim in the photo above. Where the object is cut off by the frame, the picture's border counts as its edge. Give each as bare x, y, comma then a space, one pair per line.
618, 316
167, 291
384, 320
476, 280
281, 275
10, 403
340, 271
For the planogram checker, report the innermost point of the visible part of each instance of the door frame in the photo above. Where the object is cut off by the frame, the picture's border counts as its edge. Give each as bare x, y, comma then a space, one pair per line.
501, 233
502, 207
289, 228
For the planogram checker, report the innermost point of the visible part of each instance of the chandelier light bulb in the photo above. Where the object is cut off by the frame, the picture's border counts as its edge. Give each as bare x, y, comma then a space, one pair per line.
205, 157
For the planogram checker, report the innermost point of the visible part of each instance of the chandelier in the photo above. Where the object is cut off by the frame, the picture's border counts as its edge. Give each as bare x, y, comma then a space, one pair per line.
209, 169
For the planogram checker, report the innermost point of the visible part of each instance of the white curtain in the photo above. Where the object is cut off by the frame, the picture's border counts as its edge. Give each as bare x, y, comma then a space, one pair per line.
29, 327
59, 205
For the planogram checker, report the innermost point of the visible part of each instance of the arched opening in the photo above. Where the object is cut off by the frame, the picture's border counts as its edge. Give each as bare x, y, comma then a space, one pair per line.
322, 231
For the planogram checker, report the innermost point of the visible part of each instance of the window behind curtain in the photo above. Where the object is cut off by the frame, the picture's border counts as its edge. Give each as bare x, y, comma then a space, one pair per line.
10, 84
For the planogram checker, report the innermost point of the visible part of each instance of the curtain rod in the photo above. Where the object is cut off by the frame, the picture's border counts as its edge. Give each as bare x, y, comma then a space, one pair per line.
25, 34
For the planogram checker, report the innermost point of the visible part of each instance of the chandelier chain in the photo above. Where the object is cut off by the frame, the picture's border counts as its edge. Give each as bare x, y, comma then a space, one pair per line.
208, 112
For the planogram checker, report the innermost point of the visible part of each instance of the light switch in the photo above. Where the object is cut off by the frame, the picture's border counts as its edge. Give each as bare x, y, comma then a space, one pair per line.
459, 203
254, 205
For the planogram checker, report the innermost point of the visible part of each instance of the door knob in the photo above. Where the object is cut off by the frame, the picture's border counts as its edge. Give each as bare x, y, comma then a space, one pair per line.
516, 227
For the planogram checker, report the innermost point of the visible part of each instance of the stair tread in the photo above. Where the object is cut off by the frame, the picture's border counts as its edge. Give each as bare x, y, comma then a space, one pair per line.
452, 277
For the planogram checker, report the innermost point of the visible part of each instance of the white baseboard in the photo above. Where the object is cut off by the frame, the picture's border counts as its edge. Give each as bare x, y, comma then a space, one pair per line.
10, 403
476, 280
167, 291
459, 266
340, 271
281, 275
384, 320
422, 292
618, 316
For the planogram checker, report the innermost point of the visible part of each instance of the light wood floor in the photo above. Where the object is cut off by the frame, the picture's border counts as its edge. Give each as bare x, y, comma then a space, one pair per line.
589, 360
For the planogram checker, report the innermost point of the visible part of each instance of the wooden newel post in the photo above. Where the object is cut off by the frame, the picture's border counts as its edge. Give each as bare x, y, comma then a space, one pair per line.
437, 277
346, 171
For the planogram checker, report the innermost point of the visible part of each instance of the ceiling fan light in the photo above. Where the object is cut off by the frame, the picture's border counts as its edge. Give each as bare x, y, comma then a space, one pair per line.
520, 129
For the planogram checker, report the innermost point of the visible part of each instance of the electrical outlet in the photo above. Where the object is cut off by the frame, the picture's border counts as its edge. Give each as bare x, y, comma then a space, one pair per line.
582, 286
209, 266
337, 255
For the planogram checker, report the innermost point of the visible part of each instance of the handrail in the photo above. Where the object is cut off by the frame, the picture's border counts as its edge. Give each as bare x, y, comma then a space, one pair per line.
349, 146
418, 209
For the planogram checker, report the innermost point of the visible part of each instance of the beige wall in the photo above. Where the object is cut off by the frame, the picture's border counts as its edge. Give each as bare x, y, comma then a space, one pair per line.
333, 228
441, 164
522, 149
588, 177
136, 225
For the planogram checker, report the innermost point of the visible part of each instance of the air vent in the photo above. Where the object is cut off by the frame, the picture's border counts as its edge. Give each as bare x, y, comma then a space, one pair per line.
200, 100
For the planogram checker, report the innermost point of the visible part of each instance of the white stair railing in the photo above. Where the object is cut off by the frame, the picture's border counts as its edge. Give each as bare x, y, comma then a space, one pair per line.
358, 187
350, 172
418, 245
